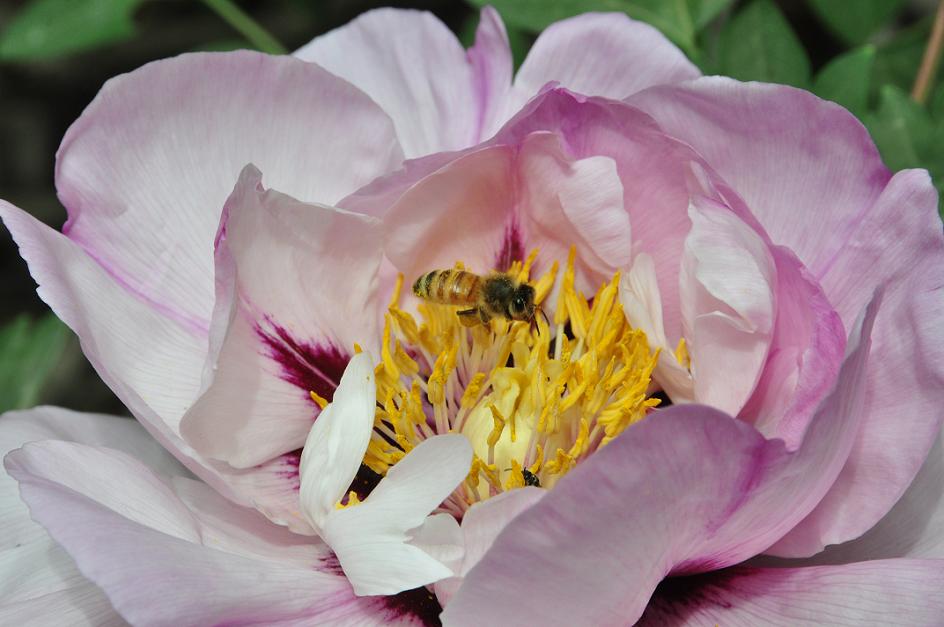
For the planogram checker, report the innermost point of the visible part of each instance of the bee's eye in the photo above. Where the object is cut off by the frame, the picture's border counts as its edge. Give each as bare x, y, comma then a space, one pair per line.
517, 304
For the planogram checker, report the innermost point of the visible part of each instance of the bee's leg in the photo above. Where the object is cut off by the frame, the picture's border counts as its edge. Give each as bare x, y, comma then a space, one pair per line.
469, 317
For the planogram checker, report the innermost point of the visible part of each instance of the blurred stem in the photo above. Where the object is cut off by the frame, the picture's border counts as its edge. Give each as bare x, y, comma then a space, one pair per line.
246, 26
932, 57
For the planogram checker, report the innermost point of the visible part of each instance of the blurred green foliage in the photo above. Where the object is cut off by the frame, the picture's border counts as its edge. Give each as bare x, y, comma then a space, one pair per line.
51, 28
29, 351
868, 64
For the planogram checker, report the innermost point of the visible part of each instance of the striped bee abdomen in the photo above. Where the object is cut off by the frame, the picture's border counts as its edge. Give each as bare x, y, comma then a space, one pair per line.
448, 287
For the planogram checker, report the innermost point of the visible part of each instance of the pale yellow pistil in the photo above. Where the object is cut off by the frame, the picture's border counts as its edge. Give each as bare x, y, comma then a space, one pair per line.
539, 401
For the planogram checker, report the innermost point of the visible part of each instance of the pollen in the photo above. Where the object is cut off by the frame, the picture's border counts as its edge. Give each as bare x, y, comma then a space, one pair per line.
534, 400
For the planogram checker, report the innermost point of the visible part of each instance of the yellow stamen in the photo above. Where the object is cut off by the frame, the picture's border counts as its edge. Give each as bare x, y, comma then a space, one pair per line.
321, 402
514, 391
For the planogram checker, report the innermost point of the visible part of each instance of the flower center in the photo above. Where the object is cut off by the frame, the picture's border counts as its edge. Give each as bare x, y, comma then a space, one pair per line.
534, 402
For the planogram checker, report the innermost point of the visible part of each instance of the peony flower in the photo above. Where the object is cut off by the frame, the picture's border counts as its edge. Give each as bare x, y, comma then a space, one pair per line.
741, 356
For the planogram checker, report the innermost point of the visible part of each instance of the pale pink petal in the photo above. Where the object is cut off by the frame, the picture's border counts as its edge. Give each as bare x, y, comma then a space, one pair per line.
899, 243
886, 592
151, 362
655, 172
145, 170
805, 355
296, 289
600, 54
913, 528
687, 490
371, 539
492, 70
642, 303
806, 167
412, 65
727, 286
40, 583
166, 551
337, 442
480, 526
573, 202
460, 212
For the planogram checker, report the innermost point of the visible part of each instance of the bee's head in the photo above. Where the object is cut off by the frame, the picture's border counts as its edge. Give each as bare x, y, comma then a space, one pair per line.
521, 306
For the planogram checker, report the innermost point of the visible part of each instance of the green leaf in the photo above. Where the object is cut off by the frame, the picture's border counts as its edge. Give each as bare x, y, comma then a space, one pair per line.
29, 351
759, 45
897, 59
49, 28
855, 20
906, 135
846, 79
672, 17
704, 11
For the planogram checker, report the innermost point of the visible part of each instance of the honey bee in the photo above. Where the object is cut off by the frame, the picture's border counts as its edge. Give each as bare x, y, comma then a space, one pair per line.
497, 295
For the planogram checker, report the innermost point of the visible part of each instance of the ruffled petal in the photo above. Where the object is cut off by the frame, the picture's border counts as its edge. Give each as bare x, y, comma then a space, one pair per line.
337, 442
805, 355
296, 288
886, 592
687, 490
727, 285
145, 170
899, 244
41, 584
137, 539
806, 167
412, 65
150, 361
371, 539
600, 54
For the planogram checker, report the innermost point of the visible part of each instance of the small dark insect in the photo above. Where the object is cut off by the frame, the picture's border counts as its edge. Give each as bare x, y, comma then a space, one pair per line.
530, 478
496, 295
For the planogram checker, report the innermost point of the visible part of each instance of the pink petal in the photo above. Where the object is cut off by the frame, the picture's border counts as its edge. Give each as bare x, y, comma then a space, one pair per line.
888, 592
40, 583
131, 535
296, 289
412, 65
461, 211
898, 244
806, 167
150, 361
480, 526
913, 528
805, 355
687, 490
600, 54
573, 202
492, 70
654, 171
146, 169
727, 286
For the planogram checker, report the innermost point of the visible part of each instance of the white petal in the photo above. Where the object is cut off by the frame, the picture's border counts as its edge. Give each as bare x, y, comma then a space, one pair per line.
337, 442
370, 539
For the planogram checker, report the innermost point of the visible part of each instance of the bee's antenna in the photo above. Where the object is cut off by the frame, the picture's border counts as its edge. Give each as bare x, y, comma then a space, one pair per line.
534, 319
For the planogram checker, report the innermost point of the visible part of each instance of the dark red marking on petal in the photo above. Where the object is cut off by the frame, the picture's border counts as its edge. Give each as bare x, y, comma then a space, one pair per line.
288, 466
418, 603
512, 247
309, 366
676, 598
